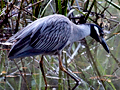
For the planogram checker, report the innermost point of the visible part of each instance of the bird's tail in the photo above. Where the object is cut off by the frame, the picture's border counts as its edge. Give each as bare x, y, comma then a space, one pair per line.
21, 49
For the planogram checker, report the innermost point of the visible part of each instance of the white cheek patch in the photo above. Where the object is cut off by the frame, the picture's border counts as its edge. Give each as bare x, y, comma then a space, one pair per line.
97, 30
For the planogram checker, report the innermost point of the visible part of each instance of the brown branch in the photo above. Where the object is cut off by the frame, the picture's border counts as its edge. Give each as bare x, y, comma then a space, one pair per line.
5, 18
34, 4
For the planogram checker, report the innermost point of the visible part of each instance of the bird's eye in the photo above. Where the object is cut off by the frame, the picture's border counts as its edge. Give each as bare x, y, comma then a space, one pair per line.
102, 34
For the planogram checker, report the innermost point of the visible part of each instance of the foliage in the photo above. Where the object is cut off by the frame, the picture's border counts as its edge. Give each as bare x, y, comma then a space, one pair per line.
95, 68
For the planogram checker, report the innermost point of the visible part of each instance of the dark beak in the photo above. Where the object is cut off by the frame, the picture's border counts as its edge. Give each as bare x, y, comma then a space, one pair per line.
103, 43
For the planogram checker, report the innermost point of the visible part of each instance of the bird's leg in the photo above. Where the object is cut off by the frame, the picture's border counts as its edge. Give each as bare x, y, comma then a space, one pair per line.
42, 70
63, 69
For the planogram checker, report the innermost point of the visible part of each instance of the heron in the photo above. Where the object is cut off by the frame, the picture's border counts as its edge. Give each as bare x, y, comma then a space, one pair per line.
49, 36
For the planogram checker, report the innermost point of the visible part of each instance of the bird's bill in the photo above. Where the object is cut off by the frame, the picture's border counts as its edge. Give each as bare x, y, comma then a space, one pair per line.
104, 44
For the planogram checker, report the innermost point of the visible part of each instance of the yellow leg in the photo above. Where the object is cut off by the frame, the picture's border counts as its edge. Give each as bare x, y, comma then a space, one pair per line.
63, 69
42, 70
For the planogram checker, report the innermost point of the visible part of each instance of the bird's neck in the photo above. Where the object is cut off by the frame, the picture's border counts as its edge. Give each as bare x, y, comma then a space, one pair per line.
78, 32
81, 31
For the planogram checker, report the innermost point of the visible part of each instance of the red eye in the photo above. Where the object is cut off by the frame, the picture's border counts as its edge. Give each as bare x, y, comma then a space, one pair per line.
102, 34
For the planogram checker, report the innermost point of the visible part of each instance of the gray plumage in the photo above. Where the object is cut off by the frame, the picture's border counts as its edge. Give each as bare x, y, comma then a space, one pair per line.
47, 35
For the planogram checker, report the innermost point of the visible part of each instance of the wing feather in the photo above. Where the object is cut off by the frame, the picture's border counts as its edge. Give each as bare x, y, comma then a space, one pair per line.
44, 35
52, 36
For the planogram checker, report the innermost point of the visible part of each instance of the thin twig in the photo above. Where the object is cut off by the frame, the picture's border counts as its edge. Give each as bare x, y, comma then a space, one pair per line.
23, 10
22, 75
34, 4
94, 64
5, 18
17, 22
89, 11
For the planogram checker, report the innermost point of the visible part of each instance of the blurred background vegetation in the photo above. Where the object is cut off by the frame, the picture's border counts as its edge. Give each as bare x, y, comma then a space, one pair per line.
96, 69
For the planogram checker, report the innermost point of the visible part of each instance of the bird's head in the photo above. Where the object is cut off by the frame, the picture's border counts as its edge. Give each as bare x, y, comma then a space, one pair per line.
97, 33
